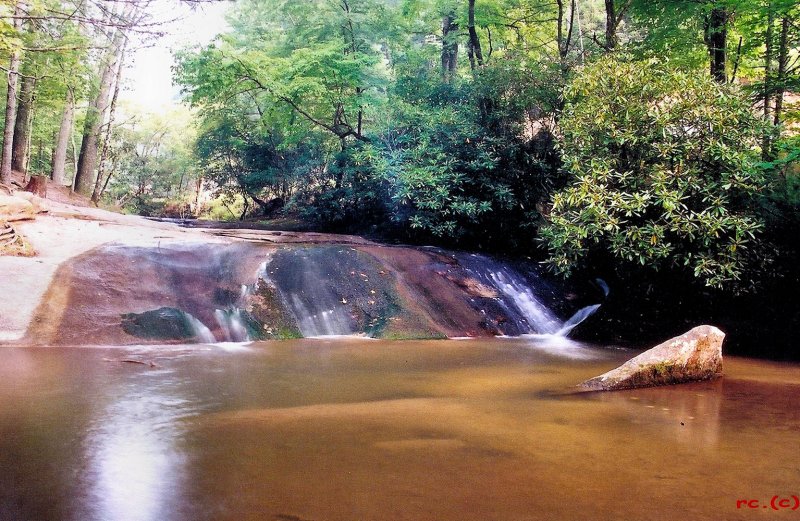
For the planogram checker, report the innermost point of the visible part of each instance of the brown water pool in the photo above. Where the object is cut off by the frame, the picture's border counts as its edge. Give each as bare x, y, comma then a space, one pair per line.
357, 430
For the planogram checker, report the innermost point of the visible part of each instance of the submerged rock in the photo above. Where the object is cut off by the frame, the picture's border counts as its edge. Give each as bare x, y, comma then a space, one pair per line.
165, 324
695, 355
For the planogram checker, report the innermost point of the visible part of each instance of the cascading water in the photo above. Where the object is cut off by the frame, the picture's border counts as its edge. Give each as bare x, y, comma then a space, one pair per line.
310, 284
232, 325
515, 290
200, 330
516, 294
217, 293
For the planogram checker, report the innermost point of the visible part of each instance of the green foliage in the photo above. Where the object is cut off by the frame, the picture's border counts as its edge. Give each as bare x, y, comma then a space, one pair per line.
665, 168
469, 161
151, 166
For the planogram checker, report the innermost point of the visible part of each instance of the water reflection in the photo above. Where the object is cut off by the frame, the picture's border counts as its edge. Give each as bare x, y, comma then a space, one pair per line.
688, 414
135, 466
344, 429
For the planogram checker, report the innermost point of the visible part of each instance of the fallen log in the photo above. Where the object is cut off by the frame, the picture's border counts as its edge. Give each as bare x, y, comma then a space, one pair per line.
150, 364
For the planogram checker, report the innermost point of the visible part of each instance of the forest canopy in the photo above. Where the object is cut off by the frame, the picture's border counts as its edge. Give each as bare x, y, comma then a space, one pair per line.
644, 135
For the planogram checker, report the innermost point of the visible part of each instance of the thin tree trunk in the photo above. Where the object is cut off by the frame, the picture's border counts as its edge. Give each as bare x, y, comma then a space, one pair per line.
738, 59
108, 177
580, 31
22, 127
563, 41
449, 47
87, 162
28, 153
11, 103
716, 39
74, 160
783, 62
611, 26
766, 146
62, 142
474, 41
98, 186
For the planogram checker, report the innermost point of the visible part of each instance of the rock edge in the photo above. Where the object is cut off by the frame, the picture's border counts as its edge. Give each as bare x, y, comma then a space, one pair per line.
695, 355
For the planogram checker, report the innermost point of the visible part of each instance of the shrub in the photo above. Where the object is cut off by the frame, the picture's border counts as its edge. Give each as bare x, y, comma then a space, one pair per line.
665, 169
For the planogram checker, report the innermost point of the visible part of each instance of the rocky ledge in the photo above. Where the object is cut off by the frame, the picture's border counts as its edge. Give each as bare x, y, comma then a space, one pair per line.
695, 355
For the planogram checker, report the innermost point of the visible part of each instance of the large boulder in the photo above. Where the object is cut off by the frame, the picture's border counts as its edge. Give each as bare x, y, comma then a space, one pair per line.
695, 355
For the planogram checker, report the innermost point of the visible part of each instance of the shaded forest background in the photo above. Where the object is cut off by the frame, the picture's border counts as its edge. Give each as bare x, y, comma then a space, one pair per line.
653, 144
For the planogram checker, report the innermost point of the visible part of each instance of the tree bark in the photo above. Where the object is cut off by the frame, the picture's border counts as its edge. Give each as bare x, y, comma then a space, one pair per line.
716, 40
38, 186
11, 103
98, 186
22, 127
449, 47
780, 78
87, 162
62, 142
766, 145
564, 41
474, 41
611, 26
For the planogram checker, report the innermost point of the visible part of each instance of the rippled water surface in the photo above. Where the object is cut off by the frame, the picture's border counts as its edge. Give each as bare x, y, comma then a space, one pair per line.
318, 430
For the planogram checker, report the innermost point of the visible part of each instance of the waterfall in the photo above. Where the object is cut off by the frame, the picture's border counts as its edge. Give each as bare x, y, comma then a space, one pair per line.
539, 318
231, 323
521, 297
314, 285
576, 319
334, 321
201, 332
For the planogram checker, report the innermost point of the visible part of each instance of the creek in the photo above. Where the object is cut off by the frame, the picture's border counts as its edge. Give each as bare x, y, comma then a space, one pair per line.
175, 383
343, 429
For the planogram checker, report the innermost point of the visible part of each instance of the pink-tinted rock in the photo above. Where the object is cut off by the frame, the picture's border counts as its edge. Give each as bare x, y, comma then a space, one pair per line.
695, 355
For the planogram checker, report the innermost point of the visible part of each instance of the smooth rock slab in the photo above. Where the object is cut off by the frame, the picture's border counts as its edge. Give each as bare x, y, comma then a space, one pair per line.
695, 355
13, 208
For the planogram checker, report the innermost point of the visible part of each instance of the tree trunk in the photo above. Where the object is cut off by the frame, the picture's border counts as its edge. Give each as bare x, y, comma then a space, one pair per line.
108, 177
474, 41
37, 185
22, 127
783, 62
611, 26
98, 186
564, 41
449, 47
766, 145
11, 104
716, 40
62, 142
87, 162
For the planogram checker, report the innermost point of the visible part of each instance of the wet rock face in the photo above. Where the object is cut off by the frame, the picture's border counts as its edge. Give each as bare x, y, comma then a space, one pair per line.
334, 290
163, 324
695, 355
207, 292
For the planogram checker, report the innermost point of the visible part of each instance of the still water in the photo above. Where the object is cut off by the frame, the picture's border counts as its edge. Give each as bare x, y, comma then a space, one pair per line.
329, 430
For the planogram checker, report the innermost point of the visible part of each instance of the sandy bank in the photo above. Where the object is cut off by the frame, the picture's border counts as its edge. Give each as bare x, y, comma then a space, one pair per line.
65, 232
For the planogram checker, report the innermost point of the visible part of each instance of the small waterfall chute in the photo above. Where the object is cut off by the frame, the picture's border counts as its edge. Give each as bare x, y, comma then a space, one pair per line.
576, 319
201, 332
513, 287
334, 321
518, 296
232, 324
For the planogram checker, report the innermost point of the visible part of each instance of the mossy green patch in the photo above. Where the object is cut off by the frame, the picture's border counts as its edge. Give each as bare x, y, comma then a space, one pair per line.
266, 317
162, 324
